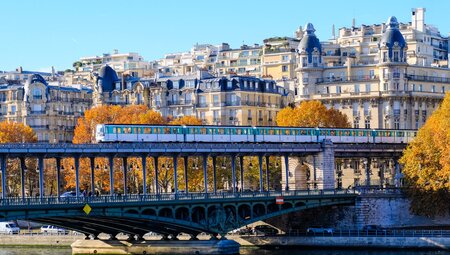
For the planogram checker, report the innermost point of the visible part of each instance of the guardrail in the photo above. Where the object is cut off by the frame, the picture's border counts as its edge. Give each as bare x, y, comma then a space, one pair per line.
53, 200
374, 233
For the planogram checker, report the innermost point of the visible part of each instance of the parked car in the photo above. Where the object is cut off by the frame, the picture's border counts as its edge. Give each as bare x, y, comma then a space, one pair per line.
49, 229
265, 230
9, 228
319, 230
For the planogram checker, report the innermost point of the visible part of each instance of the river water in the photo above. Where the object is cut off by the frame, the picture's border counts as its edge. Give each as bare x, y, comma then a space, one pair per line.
247, 251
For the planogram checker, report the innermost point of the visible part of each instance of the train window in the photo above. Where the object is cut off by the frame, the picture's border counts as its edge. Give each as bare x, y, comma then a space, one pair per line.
114, 130
147, 130
202, 131
333, 132
119, 130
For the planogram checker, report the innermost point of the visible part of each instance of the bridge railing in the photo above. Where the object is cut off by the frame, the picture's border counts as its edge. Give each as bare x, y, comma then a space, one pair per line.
118, 198
374, 233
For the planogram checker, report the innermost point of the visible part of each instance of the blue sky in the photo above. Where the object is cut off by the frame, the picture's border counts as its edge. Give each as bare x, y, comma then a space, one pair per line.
38, 34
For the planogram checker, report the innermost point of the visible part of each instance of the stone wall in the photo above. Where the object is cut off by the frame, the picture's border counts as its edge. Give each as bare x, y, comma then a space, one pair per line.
386, 210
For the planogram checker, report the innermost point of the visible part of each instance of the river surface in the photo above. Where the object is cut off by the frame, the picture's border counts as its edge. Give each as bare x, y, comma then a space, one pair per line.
247, 251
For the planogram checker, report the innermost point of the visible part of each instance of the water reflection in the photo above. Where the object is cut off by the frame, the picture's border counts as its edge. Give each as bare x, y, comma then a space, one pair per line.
244, 251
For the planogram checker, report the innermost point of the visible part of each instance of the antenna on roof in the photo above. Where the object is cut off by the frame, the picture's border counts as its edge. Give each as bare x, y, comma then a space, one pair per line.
353, 22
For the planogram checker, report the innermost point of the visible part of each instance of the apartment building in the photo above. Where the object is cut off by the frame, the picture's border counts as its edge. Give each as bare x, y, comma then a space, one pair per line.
374, 74
48, 107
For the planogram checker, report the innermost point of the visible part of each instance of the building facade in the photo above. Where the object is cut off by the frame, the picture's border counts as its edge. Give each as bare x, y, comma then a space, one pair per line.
50, 109
372, 75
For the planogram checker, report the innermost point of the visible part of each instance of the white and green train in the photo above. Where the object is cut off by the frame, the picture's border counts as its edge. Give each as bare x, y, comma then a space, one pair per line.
246, 134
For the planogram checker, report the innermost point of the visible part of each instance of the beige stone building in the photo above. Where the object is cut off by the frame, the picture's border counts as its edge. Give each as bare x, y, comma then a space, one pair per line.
372, 75
50, 109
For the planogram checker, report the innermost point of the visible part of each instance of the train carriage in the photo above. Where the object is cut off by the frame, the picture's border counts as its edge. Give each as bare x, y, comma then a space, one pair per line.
239, 134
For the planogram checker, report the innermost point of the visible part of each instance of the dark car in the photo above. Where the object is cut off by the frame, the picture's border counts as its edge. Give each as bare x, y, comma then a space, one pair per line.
265, 230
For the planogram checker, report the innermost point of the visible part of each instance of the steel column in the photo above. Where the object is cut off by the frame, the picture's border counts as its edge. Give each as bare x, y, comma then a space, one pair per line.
260, 161
125, 170
175, 174
314, 172
77, 177
144, 174
156, 175
398, 174
58, 176
92, 176
111, 175
205, 174
233, 173
241, 162
22, 176
286, 163
214, 174
185, 161
3, 176
368, 163
267, 173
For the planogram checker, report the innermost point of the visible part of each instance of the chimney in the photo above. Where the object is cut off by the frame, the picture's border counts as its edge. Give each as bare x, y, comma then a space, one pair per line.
418, 19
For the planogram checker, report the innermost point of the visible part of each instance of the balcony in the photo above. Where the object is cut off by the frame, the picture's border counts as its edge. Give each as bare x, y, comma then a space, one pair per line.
37, 97
202, 105
233, 103
396, 112
347, 79
427, 78
37, 112
39, 126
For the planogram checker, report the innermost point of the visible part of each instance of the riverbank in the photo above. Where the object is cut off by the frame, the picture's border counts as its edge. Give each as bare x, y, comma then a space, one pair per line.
391, 242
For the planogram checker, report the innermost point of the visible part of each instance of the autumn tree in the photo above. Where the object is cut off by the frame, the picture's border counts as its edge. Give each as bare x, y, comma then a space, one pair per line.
84, 133
187, 120
14, 132
312, 114
426, 164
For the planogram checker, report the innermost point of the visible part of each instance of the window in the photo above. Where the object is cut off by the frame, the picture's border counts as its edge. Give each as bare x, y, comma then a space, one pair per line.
37, 93
414, 87
356, 88
433, 89
285, 58
284, 68
368, 88
355, 123
13, 109
396, 56
338, 89
367, 124
420, 87
443, 89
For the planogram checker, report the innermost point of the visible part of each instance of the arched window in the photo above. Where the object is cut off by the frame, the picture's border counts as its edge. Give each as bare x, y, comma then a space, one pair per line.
37, 93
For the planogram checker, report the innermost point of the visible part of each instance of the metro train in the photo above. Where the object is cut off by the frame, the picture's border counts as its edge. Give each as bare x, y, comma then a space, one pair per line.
246, 134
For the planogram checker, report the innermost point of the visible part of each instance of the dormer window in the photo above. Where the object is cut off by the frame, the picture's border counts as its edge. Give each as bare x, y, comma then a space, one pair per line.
396, 58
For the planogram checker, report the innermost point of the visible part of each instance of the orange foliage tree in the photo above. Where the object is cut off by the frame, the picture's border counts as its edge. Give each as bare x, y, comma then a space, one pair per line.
187, 120
13, 132
85, 133
312, 114
426, 164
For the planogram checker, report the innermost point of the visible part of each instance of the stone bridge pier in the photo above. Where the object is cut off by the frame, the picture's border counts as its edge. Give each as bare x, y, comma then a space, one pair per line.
314, 171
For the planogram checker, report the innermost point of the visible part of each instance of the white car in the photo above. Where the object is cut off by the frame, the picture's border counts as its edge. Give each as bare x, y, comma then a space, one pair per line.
49, 229
9, 228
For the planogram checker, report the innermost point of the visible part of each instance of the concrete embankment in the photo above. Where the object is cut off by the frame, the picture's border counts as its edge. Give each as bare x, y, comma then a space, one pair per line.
39, 240
345, 241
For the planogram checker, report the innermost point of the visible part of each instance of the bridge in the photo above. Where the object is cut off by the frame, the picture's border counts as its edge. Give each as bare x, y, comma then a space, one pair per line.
211, 211
167, 214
